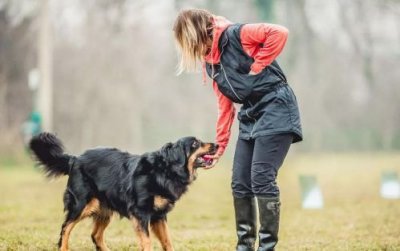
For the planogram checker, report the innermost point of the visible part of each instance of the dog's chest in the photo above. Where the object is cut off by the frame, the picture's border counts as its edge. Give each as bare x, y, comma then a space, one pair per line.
161, 203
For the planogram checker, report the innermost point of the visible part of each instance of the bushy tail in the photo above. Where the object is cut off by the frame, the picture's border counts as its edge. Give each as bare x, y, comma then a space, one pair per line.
49, 152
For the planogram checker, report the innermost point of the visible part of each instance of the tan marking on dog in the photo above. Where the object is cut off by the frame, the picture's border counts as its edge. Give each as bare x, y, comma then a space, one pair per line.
91, 208
160, 202
160, 230
192, 158
66, 231
101, 221
143, 237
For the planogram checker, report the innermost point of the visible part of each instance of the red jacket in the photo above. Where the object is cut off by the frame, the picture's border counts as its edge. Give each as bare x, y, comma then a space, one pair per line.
273, 38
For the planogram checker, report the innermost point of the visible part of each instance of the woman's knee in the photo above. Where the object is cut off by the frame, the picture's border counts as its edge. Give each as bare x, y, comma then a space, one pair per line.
263, 180
241, 175
241, 187
268, 189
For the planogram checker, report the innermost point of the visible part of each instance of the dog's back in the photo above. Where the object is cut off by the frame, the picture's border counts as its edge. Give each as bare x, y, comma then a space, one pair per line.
106, 174
105, 165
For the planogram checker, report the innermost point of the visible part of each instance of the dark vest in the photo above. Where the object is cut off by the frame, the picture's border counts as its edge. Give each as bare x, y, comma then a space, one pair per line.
269, 104
231, 74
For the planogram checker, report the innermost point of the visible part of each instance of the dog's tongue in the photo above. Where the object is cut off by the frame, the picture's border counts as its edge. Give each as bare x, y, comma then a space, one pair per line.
208, 159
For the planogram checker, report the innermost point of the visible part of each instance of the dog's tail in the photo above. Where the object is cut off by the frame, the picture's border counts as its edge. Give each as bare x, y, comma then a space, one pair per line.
49, 152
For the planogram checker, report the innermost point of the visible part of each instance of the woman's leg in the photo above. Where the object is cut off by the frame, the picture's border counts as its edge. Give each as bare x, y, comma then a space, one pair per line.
269, 154
243, 198
241, 175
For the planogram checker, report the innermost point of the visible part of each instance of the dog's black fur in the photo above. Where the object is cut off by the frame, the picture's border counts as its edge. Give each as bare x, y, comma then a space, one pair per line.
122, 182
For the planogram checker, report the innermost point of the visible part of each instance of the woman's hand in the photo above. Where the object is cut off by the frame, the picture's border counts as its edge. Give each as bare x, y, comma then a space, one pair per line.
215, 159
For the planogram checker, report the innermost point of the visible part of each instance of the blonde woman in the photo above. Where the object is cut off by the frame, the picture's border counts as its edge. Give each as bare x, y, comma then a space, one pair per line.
241, 61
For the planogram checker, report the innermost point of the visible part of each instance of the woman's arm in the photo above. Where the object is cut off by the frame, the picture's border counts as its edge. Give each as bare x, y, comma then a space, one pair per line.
226, 114
264, 42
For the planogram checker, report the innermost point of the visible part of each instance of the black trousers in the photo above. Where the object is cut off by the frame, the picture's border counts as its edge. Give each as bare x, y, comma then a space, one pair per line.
256, 164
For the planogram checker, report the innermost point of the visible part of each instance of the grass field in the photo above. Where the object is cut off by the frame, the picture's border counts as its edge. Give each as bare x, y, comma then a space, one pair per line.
354, 217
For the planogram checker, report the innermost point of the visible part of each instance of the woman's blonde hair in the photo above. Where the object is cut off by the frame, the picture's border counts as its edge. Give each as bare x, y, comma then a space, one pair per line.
193, 34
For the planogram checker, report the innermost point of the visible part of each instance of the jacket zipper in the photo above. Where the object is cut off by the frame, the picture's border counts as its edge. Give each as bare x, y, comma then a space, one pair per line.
230, 85
254, 125
227, 80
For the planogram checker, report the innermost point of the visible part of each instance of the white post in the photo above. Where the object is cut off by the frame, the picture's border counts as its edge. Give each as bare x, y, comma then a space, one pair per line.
45, 61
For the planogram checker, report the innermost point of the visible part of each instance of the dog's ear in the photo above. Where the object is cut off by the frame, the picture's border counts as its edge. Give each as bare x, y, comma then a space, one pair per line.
175, 156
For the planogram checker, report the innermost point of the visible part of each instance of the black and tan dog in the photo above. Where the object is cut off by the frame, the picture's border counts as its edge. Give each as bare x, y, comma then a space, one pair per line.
142, 188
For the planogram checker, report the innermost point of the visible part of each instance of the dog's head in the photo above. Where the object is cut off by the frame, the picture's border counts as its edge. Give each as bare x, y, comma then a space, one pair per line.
188, 155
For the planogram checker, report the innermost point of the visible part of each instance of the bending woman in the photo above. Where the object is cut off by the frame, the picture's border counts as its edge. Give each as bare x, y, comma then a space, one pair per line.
241, 61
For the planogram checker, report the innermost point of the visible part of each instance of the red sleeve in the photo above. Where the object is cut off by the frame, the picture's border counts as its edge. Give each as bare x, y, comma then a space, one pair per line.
272, 37
226, 114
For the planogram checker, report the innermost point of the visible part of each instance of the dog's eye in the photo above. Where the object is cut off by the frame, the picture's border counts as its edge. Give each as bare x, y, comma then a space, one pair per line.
195, 144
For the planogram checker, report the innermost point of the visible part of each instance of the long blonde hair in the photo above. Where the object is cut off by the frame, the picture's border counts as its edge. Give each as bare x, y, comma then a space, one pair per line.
193, 35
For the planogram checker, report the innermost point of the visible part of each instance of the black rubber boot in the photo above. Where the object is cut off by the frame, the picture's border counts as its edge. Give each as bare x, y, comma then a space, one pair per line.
269, 210
246, 221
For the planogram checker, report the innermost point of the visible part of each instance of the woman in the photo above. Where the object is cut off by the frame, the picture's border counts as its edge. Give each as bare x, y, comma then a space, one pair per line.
241, 61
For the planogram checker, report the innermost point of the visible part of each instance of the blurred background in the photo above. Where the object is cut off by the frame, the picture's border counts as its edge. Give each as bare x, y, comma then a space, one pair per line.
102, 73
108, 70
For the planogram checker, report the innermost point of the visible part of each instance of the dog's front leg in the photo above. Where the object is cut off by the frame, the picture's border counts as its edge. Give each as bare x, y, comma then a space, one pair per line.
160, 229
141, 227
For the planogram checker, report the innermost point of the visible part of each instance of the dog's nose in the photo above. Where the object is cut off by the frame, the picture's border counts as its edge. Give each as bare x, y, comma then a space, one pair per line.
216, 146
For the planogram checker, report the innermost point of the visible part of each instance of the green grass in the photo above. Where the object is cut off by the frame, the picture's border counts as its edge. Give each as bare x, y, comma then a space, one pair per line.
354, 217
